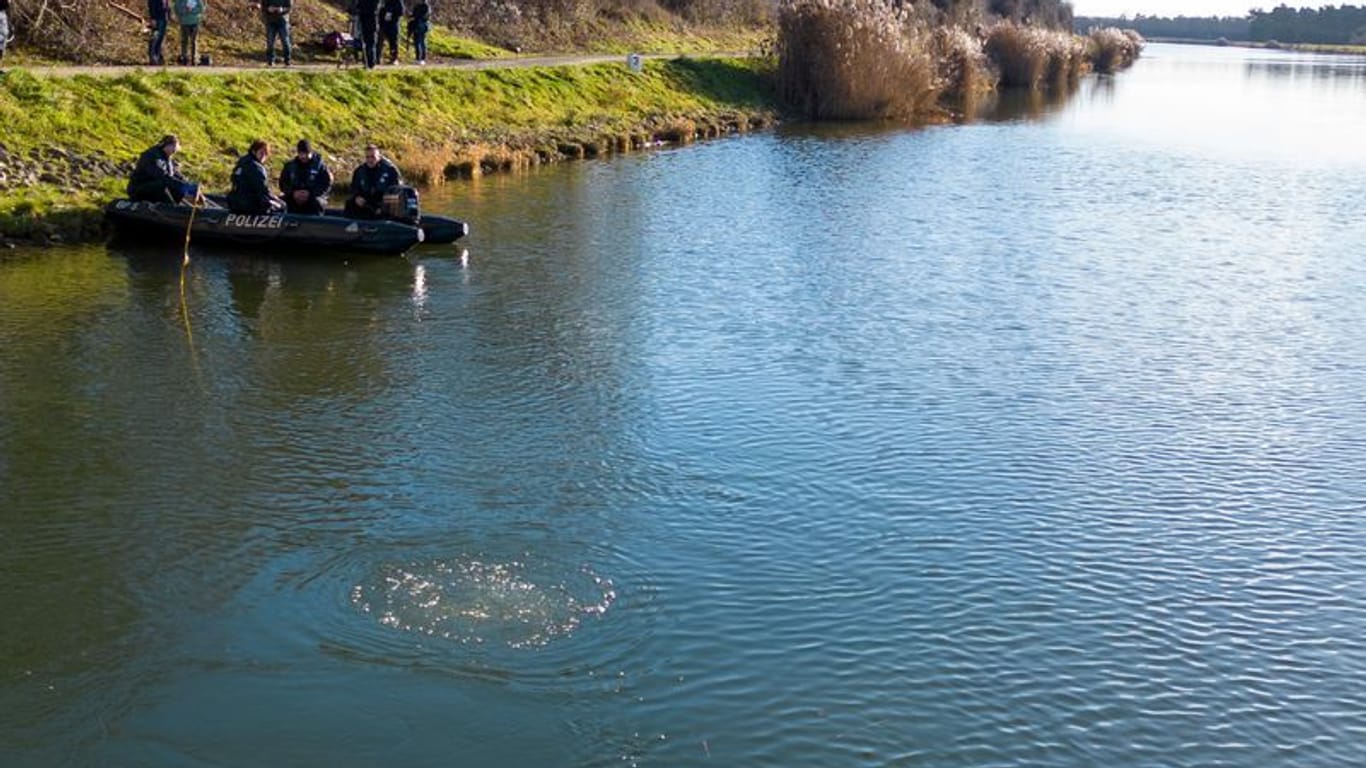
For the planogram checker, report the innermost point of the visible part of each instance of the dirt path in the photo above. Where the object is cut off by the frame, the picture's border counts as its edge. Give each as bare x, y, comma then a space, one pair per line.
506, 63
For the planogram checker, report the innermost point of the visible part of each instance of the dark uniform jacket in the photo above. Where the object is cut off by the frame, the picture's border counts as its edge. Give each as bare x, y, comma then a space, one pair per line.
313, 176
153, 175
422, 17
371, 183
275, 10
391, 13
367, 9
250, 187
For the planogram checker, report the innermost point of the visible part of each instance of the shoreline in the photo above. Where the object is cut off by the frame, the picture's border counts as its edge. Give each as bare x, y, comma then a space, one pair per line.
1327, 48
73, 133
439, 124
86, 224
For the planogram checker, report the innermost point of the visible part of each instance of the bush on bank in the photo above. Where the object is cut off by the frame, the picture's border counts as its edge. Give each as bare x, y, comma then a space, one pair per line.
849, 59
874, 59
1112, 49
964, 68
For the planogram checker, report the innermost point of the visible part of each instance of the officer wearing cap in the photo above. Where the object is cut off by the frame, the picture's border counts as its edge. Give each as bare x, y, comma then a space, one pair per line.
305, 181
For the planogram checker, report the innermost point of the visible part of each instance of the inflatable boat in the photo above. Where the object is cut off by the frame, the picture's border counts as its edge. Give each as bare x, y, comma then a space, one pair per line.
333, 232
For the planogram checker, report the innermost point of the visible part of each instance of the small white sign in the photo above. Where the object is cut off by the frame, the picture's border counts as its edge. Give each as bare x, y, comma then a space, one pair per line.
634, 63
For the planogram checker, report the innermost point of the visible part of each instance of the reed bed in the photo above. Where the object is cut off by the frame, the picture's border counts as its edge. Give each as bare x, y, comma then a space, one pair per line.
881, 59
964, 70
1112, 49
1069, 58
1032, 57
854, 60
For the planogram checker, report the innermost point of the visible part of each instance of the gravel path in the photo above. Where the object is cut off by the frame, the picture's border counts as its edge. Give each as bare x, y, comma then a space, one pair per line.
507, 63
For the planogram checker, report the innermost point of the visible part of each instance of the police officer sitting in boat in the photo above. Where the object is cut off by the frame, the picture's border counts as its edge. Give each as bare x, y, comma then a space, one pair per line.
305, 181
156, 176
250, 183
370, 181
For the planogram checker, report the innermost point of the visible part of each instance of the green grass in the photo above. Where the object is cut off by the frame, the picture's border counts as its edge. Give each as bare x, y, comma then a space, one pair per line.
217, 114
1357, 50
1339, 48
441, 42
431, 121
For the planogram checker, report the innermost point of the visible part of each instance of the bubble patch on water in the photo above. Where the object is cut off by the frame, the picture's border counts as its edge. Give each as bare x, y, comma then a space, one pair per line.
479, 602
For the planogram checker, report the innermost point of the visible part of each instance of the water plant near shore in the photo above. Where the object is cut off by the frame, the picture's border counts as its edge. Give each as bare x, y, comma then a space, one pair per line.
1032, 57
854, 59
875, 59
965, 70
1112, 49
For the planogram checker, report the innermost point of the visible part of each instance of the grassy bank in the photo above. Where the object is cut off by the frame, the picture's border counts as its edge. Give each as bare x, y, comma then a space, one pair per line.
1343, 49
68, 142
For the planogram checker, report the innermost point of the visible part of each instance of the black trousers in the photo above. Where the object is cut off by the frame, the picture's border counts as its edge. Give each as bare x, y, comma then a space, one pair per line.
372, 211
369, 35
159, 191
255, 207
390, 30
311, 207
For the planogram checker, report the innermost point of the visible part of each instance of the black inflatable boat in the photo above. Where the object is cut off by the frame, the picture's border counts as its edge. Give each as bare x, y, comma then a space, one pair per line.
334, 232
136, 220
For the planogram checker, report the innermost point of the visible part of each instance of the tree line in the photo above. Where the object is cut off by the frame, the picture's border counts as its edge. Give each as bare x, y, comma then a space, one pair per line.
1330, 25
1049, 14
1186, 27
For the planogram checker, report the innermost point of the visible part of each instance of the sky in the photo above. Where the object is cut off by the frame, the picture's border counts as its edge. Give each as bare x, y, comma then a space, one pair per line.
1180, 7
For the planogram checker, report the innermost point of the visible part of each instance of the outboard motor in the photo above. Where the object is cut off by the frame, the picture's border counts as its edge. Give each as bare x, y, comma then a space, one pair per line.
400, 204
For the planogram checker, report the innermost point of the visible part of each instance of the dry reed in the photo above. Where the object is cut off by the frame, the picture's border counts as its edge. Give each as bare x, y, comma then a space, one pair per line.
854, 60
964, 69
1113, 49
1033, 57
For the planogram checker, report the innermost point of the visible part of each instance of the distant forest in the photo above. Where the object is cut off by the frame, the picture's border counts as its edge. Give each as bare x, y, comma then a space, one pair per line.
1337, 25
1331, 24
1189, 27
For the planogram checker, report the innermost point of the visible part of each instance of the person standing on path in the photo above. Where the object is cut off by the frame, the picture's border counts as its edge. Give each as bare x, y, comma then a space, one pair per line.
158, 16
390, 14
275, 13
4, 27
418, 25
367, 11
189, 13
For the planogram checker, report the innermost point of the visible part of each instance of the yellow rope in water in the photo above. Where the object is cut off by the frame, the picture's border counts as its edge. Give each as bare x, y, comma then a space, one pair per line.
194, 208
184, 264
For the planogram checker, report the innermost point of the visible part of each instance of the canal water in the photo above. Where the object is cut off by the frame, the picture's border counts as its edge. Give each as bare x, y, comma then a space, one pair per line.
1039, 440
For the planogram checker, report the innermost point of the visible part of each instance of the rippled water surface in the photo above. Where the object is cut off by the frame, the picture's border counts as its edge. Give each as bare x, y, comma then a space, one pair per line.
1034, 441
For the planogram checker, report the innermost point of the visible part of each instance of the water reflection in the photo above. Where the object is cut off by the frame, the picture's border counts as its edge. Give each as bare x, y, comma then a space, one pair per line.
1192, 102
321, 408
249, 284
1317, 68
832, 445
1015, 104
